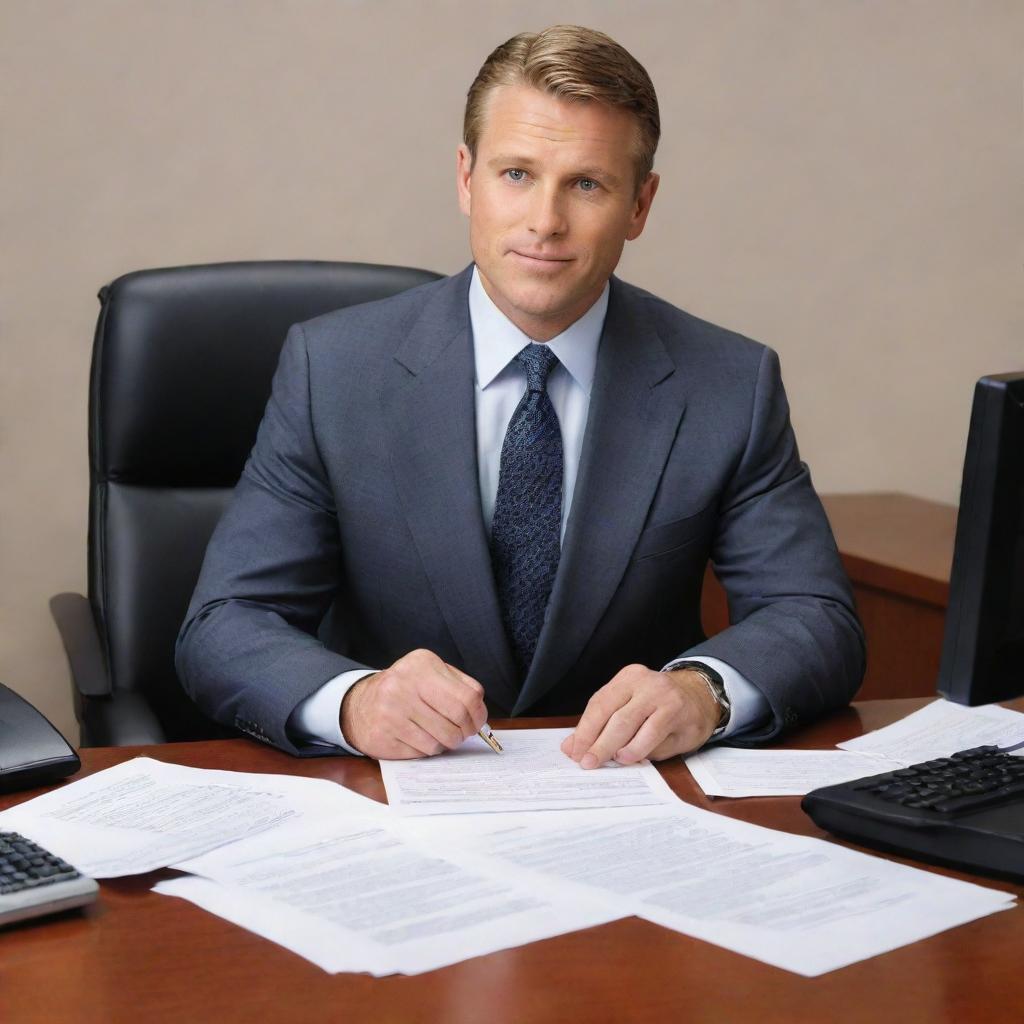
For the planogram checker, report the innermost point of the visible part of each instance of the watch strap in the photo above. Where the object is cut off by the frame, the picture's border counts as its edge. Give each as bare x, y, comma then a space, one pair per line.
716, 687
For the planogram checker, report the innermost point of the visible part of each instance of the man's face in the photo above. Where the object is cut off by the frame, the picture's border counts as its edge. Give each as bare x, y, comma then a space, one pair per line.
551, 199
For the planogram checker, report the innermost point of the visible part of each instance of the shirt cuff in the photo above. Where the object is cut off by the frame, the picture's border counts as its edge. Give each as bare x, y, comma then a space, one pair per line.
749, 706
317, 719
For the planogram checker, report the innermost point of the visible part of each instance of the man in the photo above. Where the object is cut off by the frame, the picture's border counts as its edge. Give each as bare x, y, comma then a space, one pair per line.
502, 489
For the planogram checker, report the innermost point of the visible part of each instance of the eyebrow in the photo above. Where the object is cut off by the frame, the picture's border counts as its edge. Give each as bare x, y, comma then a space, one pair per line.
513, 160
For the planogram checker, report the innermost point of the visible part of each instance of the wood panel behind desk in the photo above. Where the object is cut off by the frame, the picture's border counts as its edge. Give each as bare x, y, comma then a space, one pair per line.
897, 550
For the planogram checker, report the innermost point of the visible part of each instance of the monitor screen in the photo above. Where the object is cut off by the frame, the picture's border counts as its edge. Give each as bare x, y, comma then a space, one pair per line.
983, 643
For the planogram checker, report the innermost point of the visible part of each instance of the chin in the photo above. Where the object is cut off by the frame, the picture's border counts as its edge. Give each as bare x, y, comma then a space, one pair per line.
539, 307
538, 296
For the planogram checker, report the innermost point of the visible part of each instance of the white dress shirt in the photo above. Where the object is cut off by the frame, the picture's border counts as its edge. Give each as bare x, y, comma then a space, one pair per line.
500, 383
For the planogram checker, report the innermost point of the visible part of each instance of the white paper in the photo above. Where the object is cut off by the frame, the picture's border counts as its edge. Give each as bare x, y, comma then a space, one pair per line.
940, 729
361, 896
728, 771
531, 775
144, 814
802, 904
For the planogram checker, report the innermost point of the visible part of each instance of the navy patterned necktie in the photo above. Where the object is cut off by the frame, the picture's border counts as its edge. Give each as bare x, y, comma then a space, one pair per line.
527, 523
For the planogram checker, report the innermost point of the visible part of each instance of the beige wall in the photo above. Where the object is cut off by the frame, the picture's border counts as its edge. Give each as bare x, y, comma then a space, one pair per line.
841, 179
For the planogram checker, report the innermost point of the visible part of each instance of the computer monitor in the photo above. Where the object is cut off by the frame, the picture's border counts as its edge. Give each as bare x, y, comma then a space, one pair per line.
983, 643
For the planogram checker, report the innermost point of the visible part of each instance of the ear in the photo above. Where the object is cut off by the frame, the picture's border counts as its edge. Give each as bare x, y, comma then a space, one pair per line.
463, 174
642, 206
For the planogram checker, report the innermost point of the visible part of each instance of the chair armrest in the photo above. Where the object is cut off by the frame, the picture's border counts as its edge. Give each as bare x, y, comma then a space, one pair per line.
124, 719
73, 616
121, 719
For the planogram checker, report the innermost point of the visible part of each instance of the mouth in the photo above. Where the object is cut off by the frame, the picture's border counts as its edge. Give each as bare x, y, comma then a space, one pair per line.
542, 261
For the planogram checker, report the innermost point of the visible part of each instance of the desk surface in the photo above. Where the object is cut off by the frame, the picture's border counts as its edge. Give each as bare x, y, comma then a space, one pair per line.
138, 956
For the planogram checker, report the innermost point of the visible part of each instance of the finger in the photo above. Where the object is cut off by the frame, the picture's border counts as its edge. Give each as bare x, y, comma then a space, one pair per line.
472, 694
672, 746
399, 751
566, 745
440, 729
652, 734
621, 728
467, 714
466, 680
457, 697
600, 708
419, 739
681, 740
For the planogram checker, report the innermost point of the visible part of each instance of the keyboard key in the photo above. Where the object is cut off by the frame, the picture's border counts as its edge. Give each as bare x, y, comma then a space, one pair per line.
34, 882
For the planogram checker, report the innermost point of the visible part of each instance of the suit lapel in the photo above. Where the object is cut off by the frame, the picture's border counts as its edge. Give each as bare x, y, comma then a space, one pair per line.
430, 422
635, 409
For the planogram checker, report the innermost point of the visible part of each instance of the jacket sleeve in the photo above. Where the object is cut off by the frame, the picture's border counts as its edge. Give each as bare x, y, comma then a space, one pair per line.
247, 652
795, 632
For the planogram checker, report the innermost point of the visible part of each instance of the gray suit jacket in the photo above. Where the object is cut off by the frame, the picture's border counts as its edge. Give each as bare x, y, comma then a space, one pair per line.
356, 534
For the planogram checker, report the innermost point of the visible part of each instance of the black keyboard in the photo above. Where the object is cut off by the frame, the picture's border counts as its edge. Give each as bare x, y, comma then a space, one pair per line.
34, 881
966, 810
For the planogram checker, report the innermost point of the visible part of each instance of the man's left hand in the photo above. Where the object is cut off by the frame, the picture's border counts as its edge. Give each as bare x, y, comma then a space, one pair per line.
642, 713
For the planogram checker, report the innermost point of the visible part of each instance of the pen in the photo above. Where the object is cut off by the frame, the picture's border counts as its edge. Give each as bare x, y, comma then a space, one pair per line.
489, 738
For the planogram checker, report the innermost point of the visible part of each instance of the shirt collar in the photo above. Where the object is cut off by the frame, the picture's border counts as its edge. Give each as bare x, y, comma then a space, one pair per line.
497, 341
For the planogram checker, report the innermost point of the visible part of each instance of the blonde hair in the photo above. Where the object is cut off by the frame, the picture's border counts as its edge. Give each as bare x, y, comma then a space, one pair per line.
572, 63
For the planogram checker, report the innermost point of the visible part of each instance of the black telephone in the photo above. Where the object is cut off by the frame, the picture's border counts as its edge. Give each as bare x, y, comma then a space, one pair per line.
32, 751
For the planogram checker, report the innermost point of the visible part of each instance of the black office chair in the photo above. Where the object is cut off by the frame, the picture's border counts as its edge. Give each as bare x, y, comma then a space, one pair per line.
181, 370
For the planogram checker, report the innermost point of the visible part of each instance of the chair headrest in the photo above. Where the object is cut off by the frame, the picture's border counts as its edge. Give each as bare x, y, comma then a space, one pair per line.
184, 358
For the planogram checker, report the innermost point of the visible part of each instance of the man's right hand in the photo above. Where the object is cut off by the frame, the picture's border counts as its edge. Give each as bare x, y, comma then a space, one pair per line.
416, 708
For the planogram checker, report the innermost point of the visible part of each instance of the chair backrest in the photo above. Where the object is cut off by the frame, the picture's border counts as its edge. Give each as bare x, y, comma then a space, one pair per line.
182, 367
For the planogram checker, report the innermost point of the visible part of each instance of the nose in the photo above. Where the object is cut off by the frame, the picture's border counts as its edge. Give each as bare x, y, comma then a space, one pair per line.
546, 214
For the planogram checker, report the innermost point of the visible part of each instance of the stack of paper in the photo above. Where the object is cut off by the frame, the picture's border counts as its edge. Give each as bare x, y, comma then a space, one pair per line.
806, 905
937, 730
355, 886
358, 896
728, 771
940, 729
144, 814
532, 774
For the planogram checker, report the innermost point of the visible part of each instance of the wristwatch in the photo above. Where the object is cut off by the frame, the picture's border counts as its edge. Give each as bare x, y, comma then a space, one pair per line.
716, 686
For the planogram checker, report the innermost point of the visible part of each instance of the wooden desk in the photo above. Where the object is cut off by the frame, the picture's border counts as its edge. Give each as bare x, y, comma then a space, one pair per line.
897, 551
136, 956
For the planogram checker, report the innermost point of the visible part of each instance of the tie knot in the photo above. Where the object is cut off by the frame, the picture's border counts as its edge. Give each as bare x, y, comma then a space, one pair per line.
538, 361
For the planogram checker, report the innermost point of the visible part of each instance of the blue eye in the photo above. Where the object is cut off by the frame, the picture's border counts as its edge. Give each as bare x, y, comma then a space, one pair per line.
516, 174
588, 185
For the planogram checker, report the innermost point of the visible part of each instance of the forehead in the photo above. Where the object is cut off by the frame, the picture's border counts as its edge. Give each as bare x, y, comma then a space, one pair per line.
524, 116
